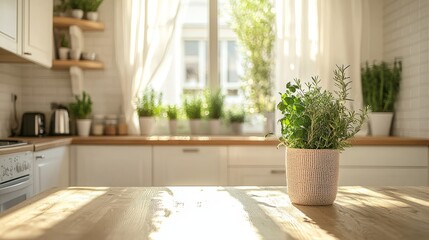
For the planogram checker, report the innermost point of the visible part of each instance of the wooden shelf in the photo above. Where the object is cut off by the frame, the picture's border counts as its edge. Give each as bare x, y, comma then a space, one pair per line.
66, 64
86, 25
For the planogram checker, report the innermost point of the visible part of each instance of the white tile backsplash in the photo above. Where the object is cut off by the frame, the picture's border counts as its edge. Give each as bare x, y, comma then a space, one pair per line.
405, 34
10, 82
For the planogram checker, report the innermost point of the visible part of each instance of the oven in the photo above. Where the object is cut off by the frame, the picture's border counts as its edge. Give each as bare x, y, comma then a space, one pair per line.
16, 183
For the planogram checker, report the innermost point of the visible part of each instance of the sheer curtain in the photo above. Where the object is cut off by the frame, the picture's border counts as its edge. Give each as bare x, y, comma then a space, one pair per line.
144, 30
313, 36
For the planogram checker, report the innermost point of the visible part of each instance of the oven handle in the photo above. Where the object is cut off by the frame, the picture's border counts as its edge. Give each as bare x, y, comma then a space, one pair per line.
15, 185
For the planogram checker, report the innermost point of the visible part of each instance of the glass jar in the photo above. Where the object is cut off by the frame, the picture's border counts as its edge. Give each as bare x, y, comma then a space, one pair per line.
110, 125
98, 125
122, 126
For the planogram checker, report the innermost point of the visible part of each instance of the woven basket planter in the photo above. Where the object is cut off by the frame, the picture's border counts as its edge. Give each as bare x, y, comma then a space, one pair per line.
312, 175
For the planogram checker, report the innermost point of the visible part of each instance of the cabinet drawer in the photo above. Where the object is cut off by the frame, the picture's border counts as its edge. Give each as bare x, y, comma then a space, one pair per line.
385, 156
257, 176
190, 165
383, 176
256, 155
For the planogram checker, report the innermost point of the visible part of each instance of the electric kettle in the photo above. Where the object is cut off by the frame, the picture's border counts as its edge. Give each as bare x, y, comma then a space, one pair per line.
60, 121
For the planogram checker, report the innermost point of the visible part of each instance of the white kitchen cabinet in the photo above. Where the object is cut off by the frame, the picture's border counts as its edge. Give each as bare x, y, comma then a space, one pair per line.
111, 166
51, 169
26, 29
384, 166
256, 166
10, 25
189, 165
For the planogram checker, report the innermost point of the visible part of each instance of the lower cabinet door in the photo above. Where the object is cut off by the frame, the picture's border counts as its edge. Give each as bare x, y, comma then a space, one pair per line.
51, 169
190, 166
257, 176
112, 166
383, 176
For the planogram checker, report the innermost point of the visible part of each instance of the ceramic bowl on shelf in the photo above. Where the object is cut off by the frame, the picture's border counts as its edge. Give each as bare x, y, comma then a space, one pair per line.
89, 56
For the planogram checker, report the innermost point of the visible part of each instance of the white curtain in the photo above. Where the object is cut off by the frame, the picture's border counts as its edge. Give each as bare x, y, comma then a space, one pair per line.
143, 35
316, 35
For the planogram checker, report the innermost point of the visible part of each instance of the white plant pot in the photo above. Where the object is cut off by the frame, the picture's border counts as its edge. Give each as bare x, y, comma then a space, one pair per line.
83, 127
237, 128
269, 122
380, 123
63, 53
77, 13
147, 125
312, 175
92, 16
214, 126
172, 125
195, 125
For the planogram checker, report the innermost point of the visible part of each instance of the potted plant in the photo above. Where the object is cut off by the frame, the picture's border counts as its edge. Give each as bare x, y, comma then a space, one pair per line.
172, 111
64, 49
148, 107
236, 118
77, 7
193, 110
380, 87
215, 102
81, 109
61, 8
90, 8
315, 126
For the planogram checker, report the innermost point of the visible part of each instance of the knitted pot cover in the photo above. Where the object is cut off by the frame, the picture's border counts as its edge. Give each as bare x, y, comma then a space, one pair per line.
312, 175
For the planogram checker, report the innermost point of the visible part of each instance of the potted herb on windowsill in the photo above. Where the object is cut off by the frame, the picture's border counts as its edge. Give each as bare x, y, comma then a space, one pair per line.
63, 51
215, 102
81, 109
148, 107
193, 110
90, 8
172, 112
315, 126
380, 88
236, 118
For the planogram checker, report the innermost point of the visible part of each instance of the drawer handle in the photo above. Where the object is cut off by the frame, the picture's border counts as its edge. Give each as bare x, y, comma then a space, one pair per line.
191, 150
40, 157
278, 171
27, 53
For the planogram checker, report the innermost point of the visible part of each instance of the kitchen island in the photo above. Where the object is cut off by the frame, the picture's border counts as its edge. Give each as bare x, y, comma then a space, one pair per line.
217, 213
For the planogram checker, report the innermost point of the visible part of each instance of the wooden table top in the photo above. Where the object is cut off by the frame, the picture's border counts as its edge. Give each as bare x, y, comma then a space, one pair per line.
217, 213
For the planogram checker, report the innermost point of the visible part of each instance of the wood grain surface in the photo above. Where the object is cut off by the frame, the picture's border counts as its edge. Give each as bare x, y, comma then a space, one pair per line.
217, 213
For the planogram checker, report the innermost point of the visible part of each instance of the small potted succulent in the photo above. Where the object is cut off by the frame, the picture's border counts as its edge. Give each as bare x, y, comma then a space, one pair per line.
63, 51
90, 8
172, 112
215, 103
148, 107
193, 110
236, 116
77, 7
81, 109
315, 126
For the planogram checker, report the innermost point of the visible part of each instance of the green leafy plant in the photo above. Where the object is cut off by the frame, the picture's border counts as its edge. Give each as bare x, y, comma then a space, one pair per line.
64, 41
82, 108
318, 119
92, 5
215, 102
253, 22
380, 85
77, 4
172, 112
62, 6
149, 104
193, 107
236, 115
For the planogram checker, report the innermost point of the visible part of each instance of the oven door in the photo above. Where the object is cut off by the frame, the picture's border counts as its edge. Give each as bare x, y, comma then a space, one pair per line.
14, 192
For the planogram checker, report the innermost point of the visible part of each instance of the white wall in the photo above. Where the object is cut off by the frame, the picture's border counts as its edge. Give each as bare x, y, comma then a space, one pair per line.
406, 35
41, 86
